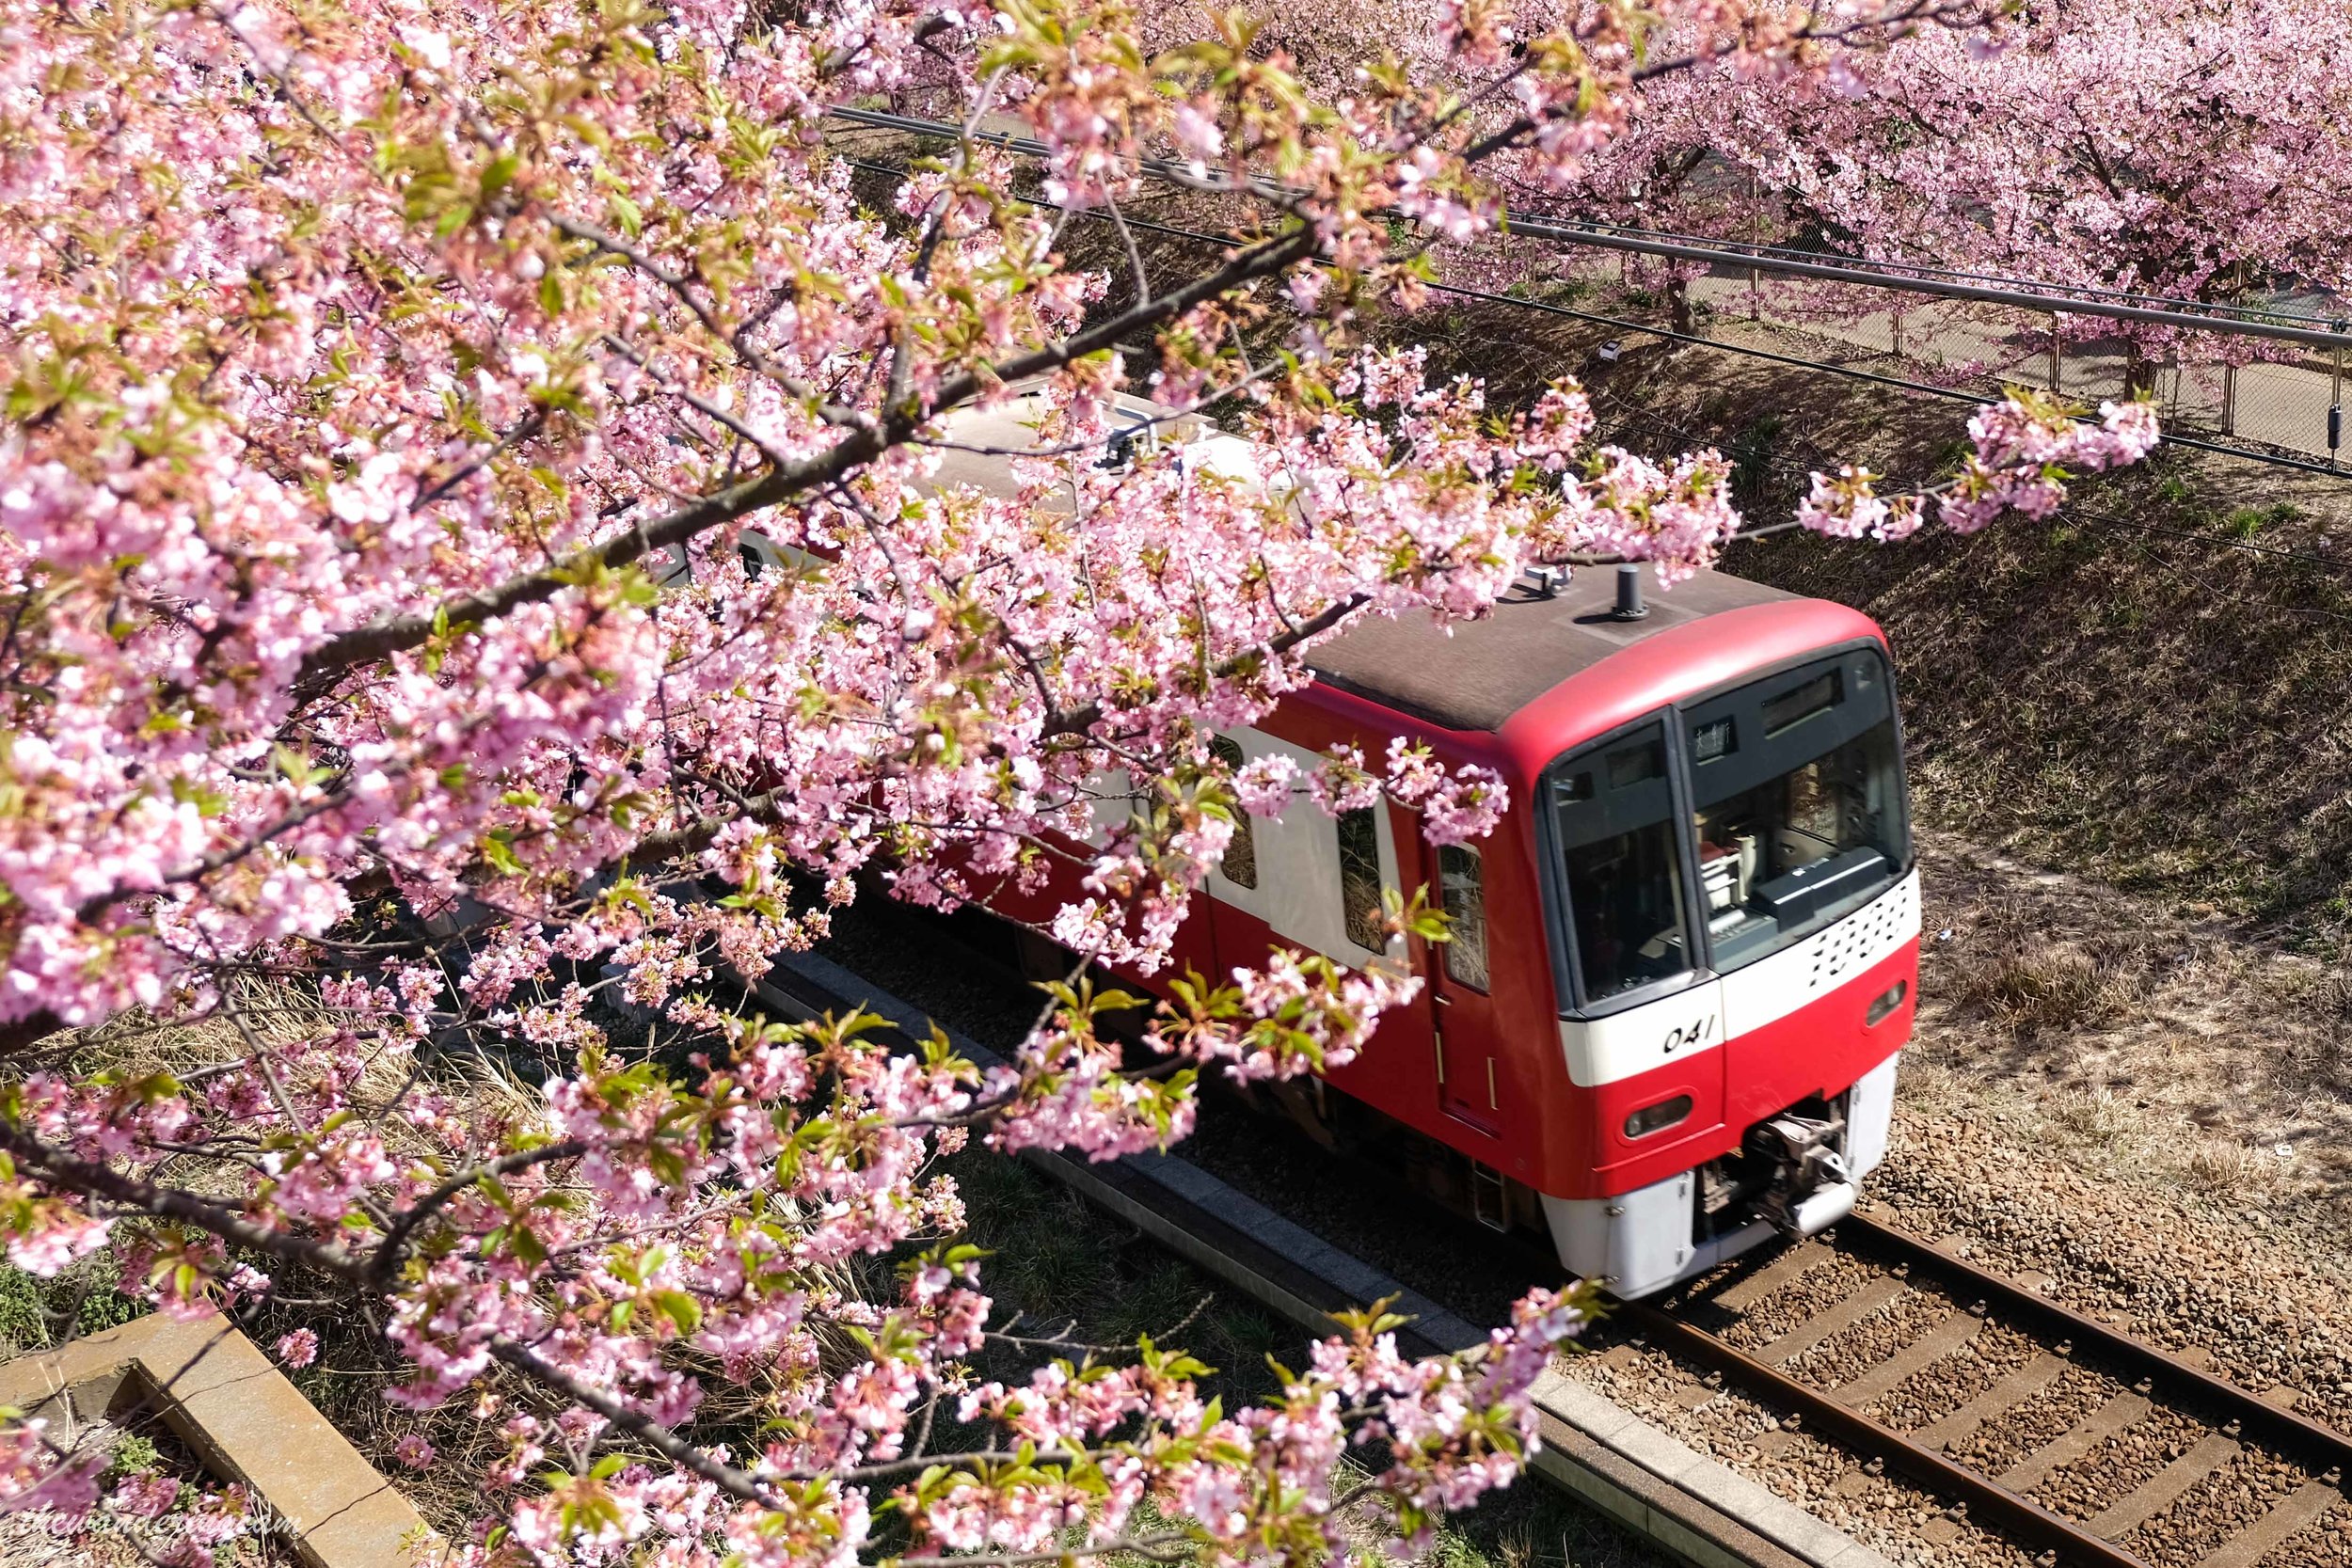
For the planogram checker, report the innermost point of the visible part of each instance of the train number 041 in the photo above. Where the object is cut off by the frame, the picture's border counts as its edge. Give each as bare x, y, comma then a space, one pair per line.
1694, 1033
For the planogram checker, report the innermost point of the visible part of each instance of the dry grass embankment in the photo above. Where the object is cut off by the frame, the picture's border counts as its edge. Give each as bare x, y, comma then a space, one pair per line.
2144, 1045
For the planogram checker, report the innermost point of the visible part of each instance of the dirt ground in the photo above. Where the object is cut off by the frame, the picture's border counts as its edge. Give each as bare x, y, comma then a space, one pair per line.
2145, 1043
2151, 1109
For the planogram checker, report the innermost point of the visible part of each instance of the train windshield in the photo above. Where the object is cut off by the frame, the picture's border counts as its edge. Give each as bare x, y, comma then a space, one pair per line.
1627, 912
1796, 785
1794, 793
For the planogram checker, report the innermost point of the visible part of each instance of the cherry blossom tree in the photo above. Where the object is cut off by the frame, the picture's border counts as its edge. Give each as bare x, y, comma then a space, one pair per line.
475, 546
2189, 148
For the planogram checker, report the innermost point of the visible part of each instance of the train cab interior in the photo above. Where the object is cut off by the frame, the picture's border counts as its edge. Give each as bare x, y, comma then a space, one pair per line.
1726, 829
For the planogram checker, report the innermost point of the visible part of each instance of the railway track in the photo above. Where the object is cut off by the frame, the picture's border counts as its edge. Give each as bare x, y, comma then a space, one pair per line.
2235, 1480
1779, 1332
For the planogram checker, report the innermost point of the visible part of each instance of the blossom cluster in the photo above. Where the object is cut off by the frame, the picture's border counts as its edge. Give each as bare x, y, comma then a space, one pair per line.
499, 535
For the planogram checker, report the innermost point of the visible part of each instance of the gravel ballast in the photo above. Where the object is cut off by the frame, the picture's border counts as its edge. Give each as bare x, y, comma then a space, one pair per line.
2000, 1151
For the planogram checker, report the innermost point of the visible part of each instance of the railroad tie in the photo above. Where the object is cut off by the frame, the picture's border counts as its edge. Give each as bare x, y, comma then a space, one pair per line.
2163, 1489
2020, 1384
1946, 1335
2086, 1435
2248, 1545
1845, 1314
1781, 1271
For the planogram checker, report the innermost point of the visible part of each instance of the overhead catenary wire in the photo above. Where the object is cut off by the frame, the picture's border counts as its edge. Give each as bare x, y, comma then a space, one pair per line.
2195, 315
2247, 546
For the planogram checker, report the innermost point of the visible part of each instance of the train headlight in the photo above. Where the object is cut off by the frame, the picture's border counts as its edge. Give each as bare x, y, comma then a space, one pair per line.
1652, 1119
1889, 1000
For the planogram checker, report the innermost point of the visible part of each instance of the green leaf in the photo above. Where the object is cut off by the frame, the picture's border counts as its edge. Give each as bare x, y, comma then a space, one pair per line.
680, 1308
528, 1246
499, 173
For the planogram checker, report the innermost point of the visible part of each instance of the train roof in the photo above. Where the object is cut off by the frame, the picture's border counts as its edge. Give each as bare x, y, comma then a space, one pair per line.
1478, 674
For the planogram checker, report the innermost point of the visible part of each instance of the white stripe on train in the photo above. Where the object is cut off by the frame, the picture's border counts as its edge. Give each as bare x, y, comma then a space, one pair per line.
1702, 1018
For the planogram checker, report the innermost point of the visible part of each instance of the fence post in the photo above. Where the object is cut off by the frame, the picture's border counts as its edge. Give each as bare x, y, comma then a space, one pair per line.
2229, 400
2057, 384
2335, 405
1756, 240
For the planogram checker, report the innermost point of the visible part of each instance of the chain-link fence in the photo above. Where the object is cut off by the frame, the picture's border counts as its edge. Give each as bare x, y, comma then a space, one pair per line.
2234, 389
2217, 377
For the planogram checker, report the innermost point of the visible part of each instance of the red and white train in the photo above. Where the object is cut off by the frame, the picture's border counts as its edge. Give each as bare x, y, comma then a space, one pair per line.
1683, 965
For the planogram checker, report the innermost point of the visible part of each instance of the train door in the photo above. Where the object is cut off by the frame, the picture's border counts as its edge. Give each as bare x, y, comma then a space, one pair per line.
1470, 1087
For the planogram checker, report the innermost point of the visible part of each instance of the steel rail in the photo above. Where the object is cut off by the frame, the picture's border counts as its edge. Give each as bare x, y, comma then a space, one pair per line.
1715, 255
2311, 1444
1988, 1504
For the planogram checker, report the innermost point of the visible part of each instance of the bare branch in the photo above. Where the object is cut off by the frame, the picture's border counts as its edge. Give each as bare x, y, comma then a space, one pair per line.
390, 1251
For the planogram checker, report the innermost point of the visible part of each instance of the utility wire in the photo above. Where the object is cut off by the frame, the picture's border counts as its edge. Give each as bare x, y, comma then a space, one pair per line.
1897, 269
1901, 383
1487, 298
2195, 314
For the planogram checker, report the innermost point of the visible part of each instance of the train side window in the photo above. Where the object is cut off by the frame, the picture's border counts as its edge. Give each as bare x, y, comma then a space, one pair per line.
1462, 895
1623, 865
1240, 865
1359, 879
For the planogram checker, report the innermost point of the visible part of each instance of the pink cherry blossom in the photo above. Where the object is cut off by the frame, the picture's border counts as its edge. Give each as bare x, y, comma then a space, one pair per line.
144, 1495
504, 529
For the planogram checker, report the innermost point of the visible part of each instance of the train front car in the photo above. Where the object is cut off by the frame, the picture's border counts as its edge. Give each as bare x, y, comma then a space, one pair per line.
1687, 958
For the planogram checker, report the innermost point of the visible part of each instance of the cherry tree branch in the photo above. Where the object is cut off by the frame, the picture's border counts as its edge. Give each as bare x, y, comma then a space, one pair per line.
390, 1251
739, 1485
1077, 720
780, 482
60, 1169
